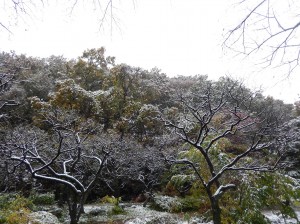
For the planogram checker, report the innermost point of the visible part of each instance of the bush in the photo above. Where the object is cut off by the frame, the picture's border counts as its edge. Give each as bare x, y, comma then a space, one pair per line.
189, 203
259, 191
177, 204
117, 209
7, 198
15, 210
4, 200
2, 219
111, 200
42, 199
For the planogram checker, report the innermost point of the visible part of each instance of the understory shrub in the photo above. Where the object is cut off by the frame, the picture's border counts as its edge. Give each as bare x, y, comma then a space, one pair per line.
117, 209
42, 199
258, 192
14, 209
176, 204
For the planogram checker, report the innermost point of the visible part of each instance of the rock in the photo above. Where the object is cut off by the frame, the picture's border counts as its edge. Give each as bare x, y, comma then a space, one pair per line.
42, 217
58, 212
165, 203
53, 209
96, 211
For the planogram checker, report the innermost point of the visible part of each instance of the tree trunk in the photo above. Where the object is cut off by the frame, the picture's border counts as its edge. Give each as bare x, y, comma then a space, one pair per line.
74, 212
76, 208
215, 207
216, 211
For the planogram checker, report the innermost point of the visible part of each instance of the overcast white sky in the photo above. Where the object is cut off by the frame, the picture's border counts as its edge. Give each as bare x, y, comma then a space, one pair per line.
180, 37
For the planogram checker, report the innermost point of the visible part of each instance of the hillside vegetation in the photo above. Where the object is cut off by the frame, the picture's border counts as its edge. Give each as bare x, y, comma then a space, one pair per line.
88, 128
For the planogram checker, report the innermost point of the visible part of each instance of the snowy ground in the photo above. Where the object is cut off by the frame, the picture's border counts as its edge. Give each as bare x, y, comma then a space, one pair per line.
276, 218
137, 214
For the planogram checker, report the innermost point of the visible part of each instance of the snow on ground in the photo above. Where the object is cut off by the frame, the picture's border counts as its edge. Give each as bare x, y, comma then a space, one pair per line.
276, 218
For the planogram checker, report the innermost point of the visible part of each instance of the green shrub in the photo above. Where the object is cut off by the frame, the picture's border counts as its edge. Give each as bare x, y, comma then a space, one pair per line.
254, 217
111, 200
15, 210
187, 204
5, 200
259, 191
19, 203
176, 204
190, 203
2, 219
117, 209
42, 199
18, 217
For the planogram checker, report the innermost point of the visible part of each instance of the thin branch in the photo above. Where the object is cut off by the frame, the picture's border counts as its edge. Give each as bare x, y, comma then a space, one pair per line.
6, 28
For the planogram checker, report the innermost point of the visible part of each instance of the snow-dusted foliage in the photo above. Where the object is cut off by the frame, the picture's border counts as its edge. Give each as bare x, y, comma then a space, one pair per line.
225, 124
98, 128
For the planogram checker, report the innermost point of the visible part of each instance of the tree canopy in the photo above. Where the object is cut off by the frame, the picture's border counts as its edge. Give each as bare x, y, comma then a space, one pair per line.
99, 128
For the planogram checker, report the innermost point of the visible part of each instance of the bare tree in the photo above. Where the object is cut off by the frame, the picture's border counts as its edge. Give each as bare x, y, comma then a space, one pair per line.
269, 28
67, 154
16, 10
225, 110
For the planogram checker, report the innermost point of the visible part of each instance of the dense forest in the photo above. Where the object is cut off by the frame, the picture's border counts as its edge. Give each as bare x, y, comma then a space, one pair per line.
89, 128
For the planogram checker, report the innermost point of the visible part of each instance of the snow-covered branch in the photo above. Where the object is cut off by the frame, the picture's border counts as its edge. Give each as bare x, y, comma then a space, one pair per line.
222, 189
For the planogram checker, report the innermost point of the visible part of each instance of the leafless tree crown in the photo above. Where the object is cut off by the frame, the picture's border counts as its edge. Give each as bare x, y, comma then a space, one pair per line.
269, 28
13, 11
